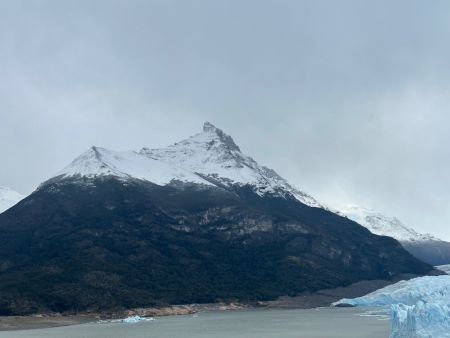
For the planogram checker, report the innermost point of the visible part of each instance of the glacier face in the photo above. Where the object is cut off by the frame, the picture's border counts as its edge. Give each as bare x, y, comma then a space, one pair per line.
210, 157
8, 198
422, 320
420, 307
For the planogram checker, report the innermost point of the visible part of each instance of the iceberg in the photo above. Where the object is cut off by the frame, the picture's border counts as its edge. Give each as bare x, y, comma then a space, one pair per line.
134, 319
420, 307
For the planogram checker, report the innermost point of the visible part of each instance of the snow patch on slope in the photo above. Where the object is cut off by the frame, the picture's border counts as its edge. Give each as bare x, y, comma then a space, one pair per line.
381, 224
9, 198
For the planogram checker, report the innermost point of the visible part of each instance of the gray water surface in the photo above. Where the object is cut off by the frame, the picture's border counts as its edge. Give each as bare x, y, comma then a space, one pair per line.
313, 323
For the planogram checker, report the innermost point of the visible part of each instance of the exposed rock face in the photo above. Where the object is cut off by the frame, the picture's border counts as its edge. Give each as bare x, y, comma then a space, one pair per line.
434, 252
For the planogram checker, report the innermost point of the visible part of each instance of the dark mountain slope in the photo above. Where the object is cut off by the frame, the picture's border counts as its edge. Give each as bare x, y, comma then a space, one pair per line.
435, 252
80, 244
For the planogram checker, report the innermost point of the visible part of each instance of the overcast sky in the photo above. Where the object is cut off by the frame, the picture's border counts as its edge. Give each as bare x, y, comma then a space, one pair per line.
348, 100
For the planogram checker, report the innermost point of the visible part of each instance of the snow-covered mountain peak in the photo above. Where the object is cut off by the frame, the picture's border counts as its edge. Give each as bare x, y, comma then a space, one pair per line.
90, 163
215, 156
8, 198
209, 157
204, 152
381, 224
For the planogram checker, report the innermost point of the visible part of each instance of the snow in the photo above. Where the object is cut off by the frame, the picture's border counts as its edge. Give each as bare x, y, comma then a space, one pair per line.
127, 164
9, 198
381, 224
420, 307
210, 157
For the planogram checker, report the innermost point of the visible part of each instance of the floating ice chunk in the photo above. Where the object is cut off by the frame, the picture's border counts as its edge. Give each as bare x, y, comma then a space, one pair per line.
134, 319
128, 320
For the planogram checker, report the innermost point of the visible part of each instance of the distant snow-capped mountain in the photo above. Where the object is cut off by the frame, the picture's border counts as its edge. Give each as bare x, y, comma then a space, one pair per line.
424, 246
210, 158
384, 225
8, 198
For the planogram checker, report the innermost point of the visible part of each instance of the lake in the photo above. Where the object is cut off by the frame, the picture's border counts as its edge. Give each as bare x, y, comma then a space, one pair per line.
312, 323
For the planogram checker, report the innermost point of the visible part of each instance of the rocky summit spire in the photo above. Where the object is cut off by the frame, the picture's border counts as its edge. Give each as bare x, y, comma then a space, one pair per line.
226, 139
209, 127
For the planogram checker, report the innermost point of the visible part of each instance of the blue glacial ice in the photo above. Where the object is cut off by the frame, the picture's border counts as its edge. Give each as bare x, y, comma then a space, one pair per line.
424, 319
420, 307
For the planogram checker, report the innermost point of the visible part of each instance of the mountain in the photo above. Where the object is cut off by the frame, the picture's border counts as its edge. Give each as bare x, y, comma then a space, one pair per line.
8, 198
426, 247
195, 222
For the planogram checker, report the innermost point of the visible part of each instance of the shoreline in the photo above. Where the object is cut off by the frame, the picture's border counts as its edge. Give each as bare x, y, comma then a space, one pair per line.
305, 300
264, 323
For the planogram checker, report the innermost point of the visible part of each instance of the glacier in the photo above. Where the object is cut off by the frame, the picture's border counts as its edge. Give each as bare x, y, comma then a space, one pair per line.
420, 307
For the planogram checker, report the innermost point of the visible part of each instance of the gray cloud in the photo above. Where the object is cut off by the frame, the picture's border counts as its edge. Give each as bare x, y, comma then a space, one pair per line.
348, 100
